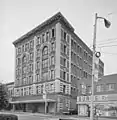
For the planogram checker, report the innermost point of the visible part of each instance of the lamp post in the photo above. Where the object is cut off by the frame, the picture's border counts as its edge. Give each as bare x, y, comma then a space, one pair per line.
107, 25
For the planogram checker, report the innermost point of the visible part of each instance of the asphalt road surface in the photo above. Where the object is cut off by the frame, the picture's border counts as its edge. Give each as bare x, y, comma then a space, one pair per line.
33, 116
43, 117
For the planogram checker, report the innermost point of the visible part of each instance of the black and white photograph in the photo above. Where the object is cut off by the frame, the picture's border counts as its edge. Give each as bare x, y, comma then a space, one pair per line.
58, 60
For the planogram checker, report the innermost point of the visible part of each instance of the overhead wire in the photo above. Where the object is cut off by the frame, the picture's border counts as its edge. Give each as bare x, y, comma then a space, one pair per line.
109, 53
107, 43
107, 40
106, 46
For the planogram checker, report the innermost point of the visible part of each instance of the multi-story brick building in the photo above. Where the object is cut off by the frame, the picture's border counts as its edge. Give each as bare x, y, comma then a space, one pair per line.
10, 88
51, 58
105, 97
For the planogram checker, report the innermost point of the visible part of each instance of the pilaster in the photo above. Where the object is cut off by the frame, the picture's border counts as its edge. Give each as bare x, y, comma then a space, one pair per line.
57, 56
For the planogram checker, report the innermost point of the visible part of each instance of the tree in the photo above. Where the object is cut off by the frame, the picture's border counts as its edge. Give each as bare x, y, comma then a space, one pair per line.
3, 97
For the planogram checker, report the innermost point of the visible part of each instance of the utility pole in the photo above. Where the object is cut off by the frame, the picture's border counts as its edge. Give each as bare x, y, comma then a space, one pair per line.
93, 67
107, 25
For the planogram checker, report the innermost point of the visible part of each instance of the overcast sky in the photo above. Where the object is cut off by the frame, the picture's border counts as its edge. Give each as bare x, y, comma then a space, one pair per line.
20, 16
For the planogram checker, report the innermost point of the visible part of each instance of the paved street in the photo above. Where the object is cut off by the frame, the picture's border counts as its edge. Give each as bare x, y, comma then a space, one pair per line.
38, 116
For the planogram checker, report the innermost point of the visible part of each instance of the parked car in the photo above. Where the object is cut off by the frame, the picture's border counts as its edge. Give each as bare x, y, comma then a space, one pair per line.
8, 117
73, 111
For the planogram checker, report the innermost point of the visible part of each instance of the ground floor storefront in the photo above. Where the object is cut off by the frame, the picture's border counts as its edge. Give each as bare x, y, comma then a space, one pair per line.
105, 105
52, 104
35, 107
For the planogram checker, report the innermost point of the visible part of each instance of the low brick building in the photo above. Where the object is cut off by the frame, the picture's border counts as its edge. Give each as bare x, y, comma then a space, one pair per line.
105, 97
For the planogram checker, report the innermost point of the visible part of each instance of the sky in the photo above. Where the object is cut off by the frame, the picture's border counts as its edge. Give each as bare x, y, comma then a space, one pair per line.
20, 16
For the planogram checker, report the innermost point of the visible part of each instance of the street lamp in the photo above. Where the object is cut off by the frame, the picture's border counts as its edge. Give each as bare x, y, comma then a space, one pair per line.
107, 25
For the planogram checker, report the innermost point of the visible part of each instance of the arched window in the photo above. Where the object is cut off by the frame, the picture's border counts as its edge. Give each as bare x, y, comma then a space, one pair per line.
45, 63
45, 51
45, 57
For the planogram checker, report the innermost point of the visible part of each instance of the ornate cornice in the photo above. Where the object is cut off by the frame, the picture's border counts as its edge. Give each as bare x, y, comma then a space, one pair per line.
57, 17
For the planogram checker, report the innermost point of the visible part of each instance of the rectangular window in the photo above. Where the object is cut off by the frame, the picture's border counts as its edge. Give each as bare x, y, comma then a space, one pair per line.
24, 81
64, 62
67, 77
67, 38
77, 48
45, 63
24, 70
37, 90
31, 56
80, 50
31, 44
62, 47
30, 79
64, 87
16, 51
19, 61
19, 50
38, 65
61, 74
42, 90
64, 75
24, 91
38, 41
72, 43
27, 80
61, 60
37, 77
83, 89
64, 50
99, 88
47, 36
43, 38
68, 51
52, 46
52, 60
23, 48
53, 32
68, 64
64, 35
38, 53
51, 87
45, 76
52, 74
89, 89
26, 47
110, 87
30, 67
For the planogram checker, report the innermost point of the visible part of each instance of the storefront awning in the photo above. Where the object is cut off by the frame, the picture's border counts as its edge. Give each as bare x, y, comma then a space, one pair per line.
33, 101
99, 102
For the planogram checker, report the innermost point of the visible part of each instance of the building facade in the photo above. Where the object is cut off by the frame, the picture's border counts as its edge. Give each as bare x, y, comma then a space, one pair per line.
105, 98
51, 64
10, 90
